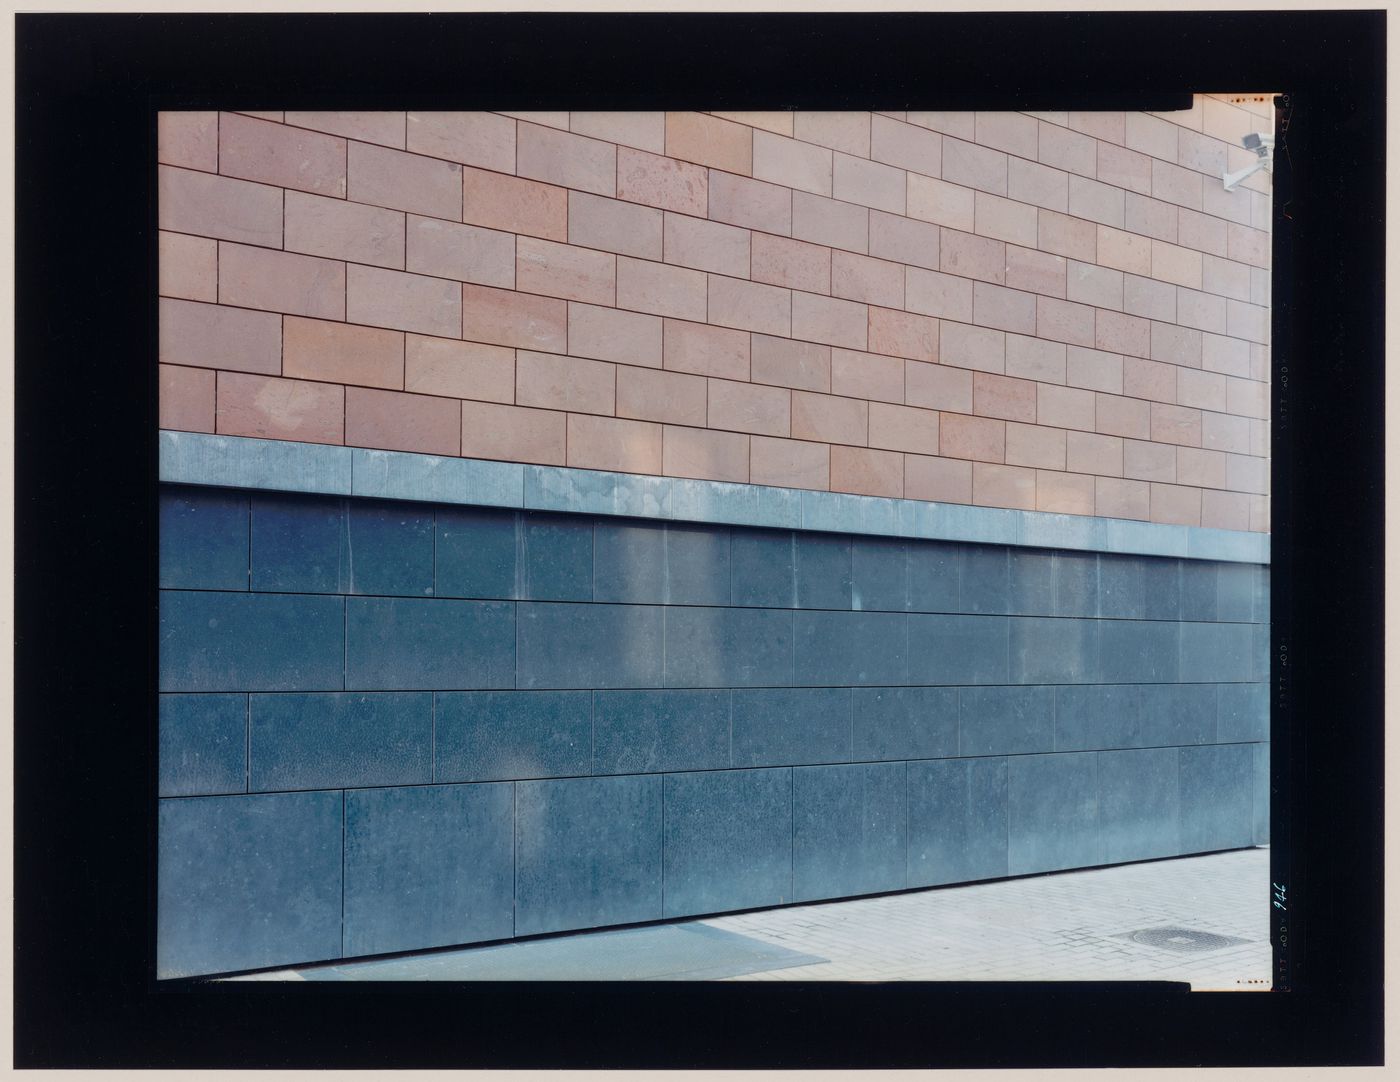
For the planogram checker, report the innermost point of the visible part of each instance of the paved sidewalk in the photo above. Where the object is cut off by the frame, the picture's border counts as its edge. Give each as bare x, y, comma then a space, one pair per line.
1206, 921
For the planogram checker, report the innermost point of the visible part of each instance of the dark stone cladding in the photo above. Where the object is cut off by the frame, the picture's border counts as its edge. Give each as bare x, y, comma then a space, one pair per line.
388, 726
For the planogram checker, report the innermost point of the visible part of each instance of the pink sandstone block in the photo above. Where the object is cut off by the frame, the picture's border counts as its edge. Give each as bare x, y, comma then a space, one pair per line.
552, 381
339, 229
643, 130
1040, 185
1176, 345
1202, 468
452, 369
980, 439
705, 245
750, 306
1226, 278
944, 480
870, 184
972, 347
647, 394
608, 443
1101, 203
1247, 321
829, 320
212, 336
1223, 432
973, 166
1014, 133
793, 264
385, 128
265, 407
1144, 461
486, 140
1151, 135
1117, 416
661, 289
301, 285
905, 146
1035, 358
220, 207
1126, 169
550, 118
1064, 321
1035, 271
393, 421
342, 353
831, 222
1035, 445
1203, 311
405, 302
904, 240
189, 267
1124, 251
940, 202
1201, 390
959, 125
936, 386
1064, 407
1064, 493
1094, 369
1073, 238
1149, 298
1203, 232
1150, 217
563, 270
1229, 356
512, 434
775, 120
1177, 265
614, 226
750, 407
610, 334
1121, 333
870, 281
1003, 309
867, 472
188, 139
1116, 498
970, 256
570, 161
514, 205
1176, 504
709, 140
904, 334
1065, 149
750, 203
1151, 380
1225, 510
1003, 486
464, 253
712, 456
704, 350
662, 182
933, 294
1004, 219
186, 399
500, 317
1173, 184
848, 131
1176, 424
276, 154
784, 362
903, 428
867, 375
1003, 397
1091, 453
789, 463
1100, 124
391, 178
828, 418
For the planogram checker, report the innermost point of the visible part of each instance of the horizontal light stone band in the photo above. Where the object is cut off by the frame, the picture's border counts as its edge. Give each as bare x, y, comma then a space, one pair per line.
193, 458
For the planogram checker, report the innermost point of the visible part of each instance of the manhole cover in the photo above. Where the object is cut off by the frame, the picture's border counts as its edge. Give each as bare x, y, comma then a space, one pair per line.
1181, 939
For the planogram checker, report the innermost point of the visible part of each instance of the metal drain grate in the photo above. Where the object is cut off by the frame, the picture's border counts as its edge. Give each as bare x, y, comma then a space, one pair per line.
1187, 940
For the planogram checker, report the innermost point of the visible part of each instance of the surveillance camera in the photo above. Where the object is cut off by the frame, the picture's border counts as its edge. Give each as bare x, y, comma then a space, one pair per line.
1262, 143
1259, 142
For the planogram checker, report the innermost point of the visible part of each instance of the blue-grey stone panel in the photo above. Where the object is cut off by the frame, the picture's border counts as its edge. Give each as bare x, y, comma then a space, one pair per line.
587, 853
556, 557
1123, 586
1139, 804
1137, 651
1006, 720
247, 882
984, 579
508, 735
848, 830
761, 569
1076, 584
1054, 651
728, 647
697, 564
785, 726
1260, 639
251, 642
1243, 713
629, 562
958, 649
298, 544
728, 840
475, 553
957, 821
1054, 813
935, 571
200, 459
590, 646
1093, 716
879, 574
1199, 590
203, 540
831, 648
1175, 714
1162, 588
1263, 789
1032, 582
1217, 786
339, 740
389, 549
647, 732
203, 744
904, 723
1234, 592
822, 571
1219, 653
427, 866
1262, 606
411, 644
400, 475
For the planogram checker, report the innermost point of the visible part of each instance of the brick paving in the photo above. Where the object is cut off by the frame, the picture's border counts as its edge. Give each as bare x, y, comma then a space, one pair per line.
1067, 926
